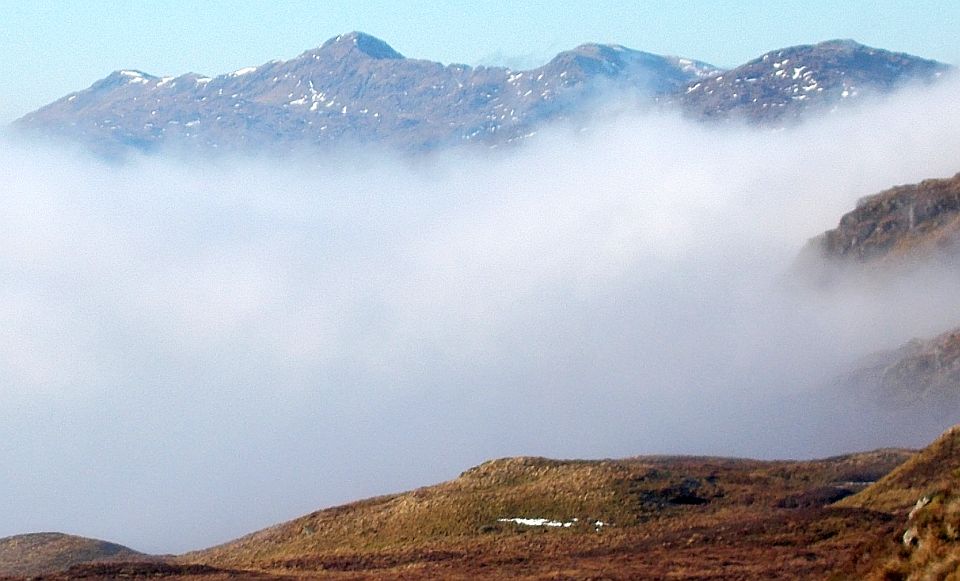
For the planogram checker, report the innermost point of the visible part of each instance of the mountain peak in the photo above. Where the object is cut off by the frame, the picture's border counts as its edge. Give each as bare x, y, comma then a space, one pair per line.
841, 43
370, 46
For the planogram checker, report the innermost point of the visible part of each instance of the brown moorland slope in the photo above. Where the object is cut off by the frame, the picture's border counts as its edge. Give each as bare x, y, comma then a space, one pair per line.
924, 492
37, 553
151, 570
936, 467
648, 517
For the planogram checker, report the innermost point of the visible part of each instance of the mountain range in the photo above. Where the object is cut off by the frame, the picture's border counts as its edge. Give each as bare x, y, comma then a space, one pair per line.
887, 514
356, 89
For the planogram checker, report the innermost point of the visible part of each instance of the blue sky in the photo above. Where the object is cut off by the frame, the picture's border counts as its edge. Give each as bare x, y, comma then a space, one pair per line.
52, 48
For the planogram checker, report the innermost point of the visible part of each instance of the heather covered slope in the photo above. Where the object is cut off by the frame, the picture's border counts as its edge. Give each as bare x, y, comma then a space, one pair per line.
923, 492
936, 467
37, 553
534, 518
529, 517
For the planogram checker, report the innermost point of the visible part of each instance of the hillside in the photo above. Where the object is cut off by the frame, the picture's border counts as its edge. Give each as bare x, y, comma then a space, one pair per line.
355, 89
922, 374
896, 237
924, 493
933, 468
38, 553
535, 518
636, 518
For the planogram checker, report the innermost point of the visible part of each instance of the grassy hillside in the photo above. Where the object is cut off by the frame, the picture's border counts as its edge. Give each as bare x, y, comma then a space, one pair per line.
38, 553
649, 516
935, 468
924, 492
535, 518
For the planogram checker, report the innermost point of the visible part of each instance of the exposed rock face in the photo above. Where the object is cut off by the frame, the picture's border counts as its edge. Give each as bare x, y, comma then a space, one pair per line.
356, 89
906, 222
921, 373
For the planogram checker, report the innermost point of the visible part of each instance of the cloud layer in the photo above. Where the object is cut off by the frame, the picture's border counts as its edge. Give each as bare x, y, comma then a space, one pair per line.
193, 350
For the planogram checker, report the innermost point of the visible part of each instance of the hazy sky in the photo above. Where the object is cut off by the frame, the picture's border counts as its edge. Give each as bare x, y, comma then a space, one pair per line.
51, 48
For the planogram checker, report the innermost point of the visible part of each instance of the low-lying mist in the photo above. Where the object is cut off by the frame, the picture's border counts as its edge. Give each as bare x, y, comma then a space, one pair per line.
193, 350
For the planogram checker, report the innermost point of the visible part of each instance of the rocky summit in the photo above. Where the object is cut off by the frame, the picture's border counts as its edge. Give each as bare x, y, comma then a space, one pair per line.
904, 223
356, 89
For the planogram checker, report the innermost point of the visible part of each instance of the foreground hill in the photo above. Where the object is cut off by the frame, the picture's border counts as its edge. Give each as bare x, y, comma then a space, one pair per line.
653, 517
925, 493
38, 553
638, 518
356, 89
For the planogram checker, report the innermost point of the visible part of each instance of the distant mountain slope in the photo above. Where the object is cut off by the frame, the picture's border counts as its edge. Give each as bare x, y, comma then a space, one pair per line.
636, 518
923, 375
789, 82
356, 89
38, 553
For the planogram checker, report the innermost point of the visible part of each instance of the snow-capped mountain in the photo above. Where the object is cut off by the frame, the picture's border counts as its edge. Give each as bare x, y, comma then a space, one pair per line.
788, 82
357, 89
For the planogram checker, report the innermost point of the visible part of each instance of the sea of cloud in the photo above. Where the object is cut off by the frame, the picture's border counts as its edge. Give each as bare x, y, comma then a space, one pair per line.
193, 349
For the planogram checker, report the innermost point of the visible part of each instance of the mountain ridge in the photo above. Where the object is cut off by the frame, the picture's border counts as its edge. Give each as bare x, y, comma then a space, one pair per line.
356, 89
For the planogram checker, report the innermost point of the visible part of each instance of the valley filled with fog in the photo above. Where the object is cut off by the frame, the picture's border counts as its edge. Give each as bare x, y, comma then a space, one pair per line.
194, 349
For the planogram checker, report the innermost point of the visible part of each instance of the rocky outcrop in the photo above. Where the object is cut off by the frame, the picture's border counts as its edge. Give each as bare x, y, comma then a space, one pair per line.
920, 374
905, 222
